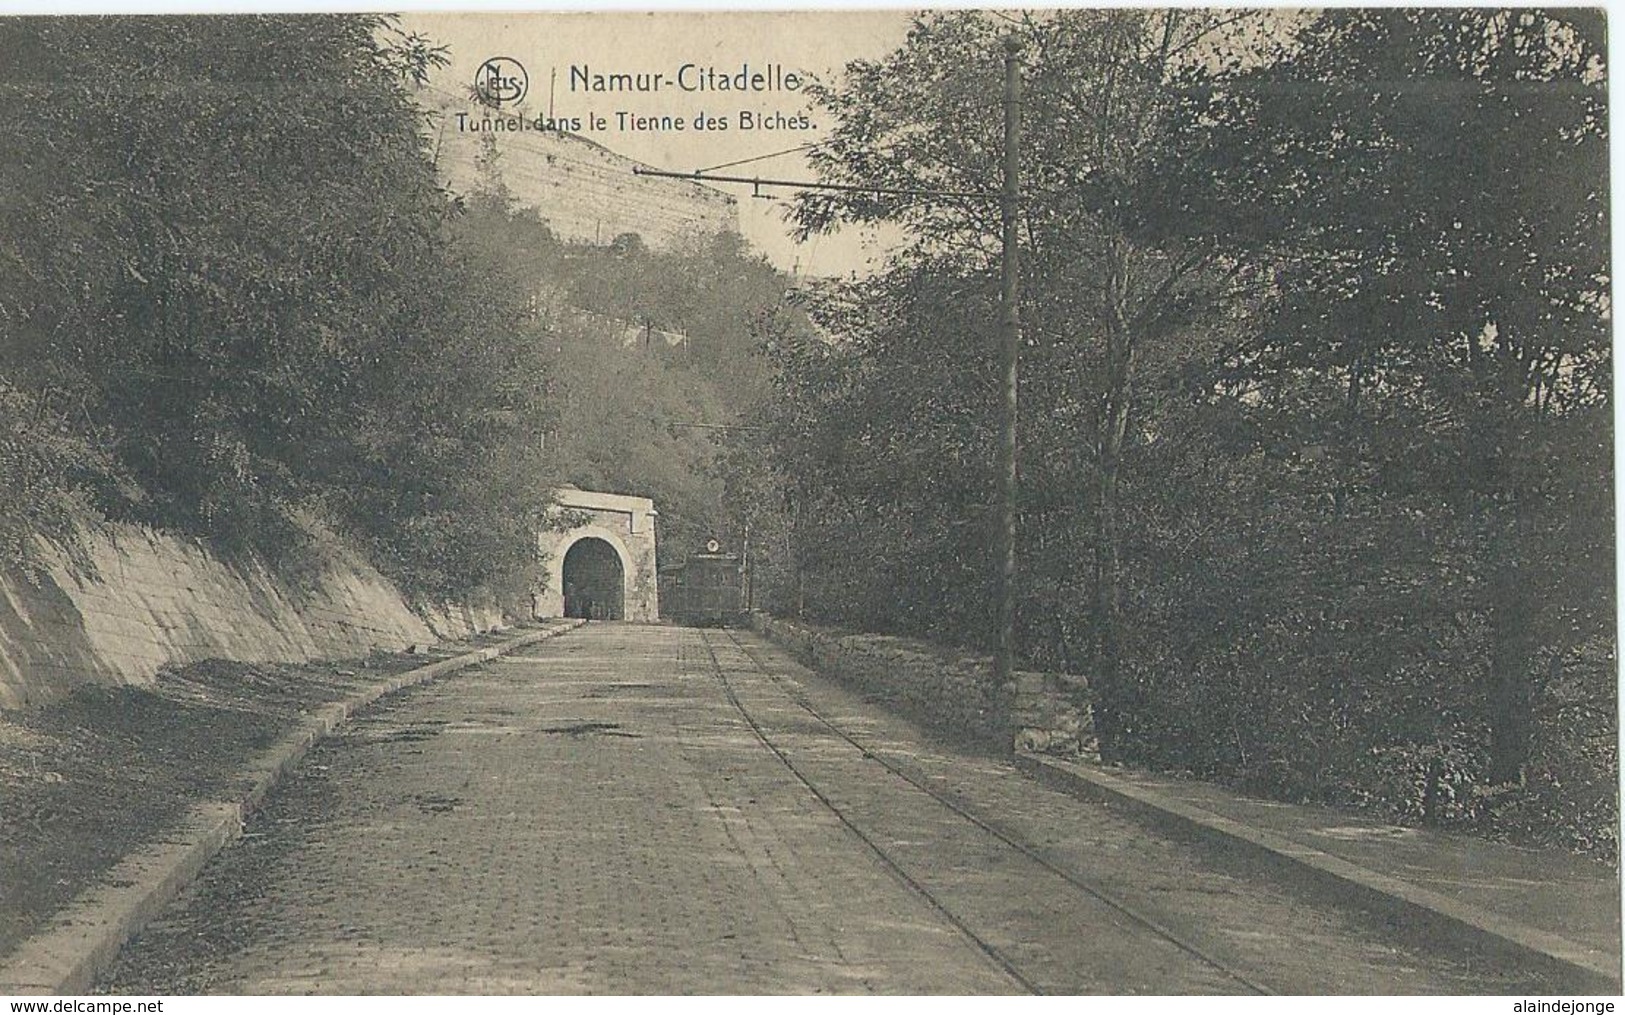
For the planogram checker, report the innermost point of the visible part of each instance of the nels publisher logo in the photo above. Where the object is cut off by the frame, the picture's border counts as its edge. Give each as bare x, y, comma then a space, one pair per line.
501, 81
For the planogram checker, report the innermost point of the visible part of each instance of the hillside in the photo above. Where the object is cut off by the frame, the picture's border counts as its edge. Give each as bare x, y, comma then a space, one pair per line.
585, 192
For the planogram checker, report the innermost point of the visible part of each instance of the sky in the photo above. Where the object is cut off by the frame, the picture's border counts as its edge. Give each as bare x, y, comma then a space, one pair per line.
815, 43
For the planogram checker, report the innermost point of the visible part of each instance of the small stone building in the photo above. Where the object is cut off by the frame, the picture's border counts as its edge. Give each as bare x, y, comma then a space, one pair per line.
600, 558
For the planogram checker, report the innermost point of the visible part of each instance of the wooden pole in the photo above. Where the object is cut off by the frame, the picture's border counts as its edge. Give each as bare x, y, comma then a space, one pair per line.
1009, 345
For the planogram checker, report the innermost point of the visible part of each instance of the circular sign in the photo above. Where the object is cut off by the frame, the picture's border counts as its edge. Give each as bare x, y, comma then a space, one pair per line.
501, 81
712, 546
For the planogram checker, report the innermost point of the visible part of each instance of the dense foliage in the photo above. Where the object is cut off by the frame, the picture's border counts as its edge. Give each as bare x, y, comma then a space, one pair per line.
1316, 445
237, 301
227, 275
650, 355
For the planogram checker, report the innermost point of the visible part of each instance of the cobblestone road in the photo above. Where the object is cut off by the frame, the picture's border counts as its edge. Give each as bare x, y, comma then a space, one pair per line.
660, 810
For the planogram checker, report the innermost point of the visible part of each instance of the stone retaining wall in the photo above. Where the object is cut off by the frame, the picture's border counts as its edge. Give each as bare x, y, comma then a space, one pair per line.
152, 600
947, 689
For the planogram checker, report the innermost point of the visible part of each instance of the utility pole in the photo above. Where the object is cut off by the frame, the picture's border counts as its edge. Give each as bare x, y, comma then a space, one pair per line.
1010, 351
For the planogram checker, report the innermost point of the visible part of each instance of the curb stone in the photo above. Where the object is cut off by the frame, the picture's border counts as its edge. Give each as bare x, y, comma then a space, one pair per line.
84, 938
1579, 967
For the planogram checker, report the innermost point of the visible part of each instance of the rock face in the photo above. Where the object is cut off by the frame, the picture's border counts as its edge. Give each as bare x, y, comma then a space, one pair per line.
622, 529
587, 193
149, 600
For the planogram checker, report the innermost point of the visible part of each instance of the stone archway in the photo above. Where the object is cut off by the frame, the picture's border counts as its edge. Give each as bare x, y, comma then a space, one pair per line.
617, 523
594, 580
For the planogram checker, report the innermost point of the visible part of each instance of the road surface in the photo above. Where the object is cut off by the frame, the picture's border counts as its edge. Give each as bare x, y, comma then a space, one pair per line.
640, 809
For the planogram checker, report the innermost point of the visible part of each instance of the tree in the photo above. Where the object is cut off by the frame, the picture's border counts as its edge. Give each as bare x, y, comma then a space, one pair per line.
1110, 280
1444, 174
227, 242
1315, 462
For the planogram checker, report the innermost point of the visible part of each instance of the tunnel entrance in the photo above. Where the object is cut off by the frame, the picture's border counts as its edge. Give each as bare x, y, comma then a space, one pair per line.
594, 581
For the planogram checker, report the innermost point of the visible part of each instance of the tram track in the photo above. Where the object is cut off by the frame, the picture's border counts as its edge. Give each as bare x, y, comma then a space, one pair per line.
784, 838
992, 952
1134, 914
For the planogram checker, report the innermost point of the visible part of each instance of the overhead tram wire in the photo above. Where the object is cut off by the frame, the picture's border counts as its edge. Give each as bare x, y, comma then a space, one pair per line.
515, 140
760, 158
592, 180
758, 182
